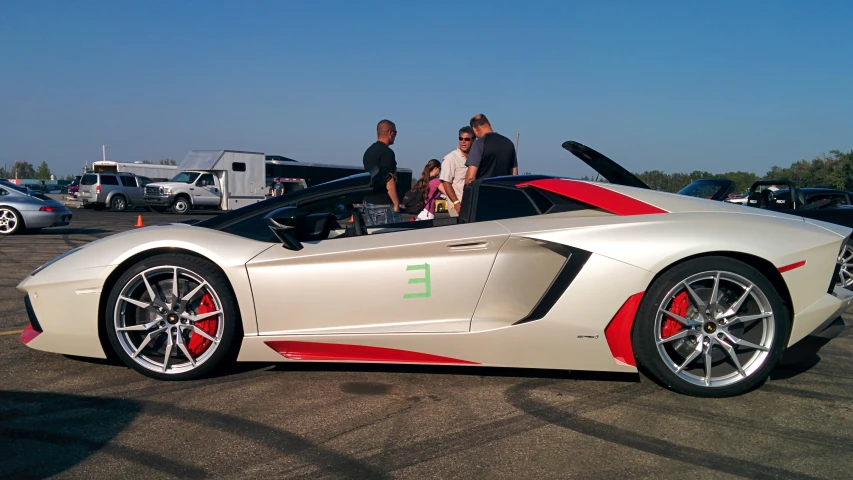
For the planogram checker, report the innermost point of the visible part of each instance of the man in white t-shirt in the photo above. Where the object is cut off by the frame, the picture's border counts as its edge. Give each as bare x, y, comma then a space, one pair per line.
453, 170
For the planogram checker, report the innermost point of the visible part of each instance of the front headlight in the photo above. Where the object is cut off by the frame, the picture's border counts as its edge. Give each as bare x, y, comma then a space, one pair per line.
69, 252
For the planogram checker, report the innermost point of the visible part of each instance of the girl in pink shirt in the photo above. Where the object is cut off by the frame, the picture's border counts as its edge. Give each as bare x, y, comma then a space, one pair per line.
428, 185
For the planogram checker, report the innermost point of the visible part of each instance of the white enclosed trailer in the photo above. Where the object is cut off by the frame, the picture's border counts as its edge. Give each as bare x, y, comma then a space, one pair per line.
153, 171
223, 179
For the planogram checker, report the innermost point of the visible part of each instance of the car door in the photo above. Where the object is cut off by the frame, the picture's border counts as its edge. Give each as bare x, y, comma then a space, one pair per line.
205, 192
422, 280
131, 189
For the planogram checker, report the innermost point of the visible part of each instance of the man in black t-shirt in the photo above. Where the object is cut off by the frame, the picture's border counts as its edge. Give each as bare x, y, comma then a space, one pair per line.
491, 155
383, 205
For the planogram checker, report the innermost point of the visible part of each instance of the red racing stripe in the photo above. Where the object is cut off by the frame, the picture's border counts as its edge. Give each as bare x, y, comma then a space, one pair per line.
341, 352
595, 195
618, 331
792, 266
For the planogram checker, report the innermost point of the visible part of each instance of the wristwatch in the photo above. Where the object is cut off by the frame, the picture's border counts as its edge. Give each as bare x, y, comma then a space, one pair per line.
457, 201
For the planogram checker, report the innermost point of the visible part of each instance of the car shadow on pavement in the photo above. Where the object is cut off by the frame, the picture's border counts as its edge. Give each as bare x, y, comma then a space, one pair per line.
800, 358
72, 231
457, 370
45, 434
235, 368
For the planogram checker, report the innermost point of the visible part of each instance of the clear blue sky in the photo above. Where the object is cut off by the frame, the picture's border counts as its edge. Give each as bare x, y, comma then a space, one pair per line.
674, 86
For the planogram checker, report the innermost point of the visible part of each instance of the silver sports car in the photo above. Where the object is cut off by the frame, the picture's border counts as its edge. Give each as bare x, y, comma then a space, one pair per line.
536, 271
23, 209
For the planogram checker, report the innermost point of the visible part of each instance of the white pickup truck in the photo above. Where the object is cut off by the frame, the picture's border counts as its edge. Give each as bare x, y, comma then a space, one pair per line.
218, 179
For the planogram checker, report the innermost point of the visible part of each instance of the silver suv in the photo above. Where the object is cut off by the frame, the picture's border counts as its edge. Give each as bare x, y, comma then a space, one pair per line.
116, 190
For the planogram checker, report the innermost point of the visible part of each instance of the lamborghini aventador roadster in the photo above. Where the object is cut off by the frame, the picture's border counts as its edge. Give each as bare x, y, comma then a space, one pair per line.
536, 272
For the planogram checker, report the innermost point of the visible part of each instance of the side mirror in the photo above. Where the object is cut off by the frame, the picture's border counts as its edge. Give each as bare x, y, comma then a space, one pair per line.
293, 227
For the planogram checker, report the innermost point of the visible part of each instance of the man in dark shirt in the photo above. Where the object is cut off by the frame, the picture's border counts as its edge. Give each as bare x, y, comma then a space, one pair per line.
277, 188
492, 154
383, 205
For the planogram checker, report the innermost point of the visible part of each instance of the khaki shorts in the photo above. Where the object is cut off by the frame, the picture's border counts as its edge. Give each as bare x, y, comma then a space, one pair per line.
452, 210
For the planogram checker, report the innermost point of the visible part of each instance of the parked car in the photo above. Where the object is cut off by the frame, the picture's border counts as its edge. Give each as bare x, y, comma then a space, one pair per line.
74, 186
536, 272
22, 209
116, 190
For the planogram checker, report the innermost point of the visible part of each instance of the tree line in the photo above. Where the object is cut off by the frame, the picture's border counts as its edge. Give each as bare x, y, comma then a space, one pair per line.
834, 170
22, 169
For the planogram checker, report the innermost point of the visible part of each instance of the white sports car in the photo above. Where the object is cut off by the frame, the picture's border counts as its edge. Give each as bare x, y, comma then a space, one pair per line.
536, 272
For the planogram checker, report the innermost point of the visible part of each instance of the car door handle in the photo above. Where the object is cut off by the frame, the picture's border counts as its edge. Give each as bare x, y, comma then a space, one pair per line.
467, 246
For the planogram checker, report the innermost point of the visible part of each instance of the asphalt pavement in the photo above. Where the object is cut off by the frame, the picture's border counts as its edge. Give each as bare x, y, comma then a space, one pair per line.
76, 418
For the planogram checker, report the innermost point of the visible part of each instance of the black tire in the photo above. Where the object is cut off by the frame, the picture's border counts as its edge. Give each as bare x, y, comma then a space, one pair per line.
226, 349
756, 364
181, 206
11, 221
118, 203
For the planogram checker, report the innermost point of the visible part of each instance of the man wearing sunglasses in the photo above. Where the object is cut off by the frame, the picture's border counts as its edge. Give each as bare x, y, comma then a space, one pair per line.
453, 170
383, 205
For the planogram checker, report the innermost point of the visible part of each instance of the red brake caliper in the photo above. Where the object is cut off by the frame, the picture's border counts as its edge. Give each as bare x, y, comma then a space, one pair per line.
199, 344
679, 307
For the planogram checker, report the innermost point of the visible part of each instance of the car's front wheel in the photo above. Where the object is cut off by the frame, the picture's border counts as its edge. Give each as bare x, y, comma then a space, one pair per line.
711, 327
173, 317
181, 206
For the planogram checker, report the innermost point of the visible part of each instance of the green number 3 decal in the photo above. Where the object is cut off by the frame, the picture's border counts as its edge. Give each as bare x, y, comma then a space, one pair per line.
424, 280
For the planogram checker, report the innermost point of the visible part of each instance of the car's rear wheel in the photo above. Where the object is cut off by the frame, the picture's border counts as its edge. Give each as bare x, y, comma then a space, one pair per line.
711, 327
172, 317
10, 221
118, 204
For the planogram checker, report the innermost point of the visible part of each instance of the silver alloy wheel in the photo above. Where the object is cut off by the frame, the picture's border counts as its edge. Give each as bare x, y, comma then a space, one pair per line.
156, 318
8, 221
181, 205
725, 333
846, 271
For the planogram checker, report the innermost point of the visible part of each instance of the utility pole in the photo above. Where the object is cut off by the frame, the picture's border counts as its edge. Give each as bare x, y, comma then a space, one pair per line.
516, 141
104, 150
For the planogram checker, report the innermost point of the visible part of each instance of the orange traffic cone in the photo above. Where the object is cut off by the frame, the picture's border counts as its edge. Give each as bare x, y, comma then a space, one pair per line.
139, 222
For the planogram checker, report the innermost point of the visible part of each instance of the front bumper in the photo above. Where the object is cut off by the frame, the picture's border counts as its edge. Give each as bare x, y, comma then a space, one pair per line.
158, 200
64, 314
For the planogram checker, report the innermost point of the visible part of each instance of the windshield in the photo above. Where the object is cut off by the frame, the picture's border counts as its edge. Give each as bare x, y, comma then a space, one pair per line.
702, 189
185, 177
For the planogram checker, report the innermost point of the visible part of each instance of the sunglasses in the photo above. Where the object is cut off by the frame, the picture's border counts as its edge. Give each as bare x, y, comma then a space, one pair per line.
465, 139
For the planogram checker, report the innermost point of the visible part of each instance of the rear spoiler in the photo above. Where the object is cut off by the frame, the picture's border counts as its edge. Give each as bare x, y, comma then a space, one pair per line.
610, 170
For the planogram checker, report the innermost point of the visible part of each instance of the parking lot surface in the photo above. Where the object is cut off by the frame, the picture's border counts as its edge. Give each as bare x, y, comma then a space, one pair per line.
76, 418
